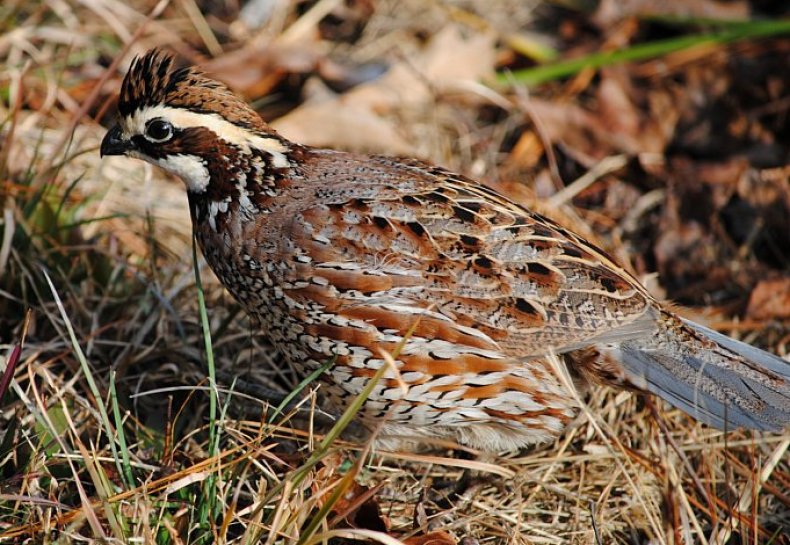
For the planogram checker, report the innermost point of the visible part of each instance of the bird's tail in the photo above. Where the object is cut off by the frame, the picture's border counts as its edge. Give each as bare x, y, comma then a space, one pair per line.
717, 380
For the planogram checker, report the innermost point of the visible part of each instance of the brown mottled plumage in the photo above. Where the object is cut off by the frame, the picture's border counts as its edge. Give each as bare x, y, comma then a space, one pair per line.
152, 80
339, 255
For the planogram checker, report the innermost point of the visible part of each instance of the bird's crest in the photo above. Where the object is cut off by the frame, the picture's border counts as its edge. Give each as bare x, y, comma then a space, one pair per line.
153, 80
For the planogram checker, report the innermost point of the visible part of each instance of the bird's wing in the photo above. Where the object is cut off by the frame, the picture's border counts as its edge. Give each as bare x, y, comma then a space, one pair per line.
472, 264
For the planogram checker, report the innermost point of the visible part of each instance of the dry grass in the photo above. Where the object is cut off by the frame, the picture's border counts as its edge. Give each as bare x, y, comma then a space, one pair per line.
106, 430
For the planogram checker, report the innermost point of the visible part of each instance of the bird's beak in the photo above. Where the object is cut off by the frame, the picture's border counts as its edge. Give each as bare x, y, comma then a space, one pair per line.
113, 143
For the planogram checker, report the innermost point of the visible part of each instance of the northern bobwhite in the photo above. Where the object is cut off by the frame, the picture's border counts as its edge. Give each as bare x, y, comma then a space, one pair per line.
338, 255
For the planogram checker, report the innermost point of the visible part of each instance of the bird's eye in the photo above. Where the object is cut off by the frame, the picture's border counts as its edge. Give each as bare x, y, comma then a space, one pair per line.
158, 130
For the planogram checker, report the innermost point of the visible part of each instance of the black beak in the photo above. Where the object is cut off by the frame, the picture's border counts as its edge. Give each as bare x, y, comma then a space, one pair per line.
113, 143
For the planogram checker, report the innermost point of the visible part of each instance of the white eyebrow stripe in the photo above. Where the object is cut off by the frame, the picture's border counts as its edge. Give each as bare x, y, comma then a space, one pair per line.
224, 129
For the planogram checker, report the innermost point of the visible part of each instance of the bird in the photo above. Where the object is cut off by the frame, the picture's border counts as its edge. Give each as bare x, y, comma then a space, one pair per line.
469, 298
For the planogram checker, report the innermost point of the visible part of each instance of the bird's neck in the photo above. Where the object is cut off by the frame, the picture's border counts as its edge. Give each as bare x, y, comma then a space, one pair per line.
243, 177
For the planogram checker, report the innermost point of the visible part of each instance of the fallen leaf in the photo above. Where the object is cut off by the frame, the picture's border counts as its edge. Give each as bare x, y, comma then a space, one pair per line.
627, 127
360, 509
343, 124
255, 70
770, 299
366, 118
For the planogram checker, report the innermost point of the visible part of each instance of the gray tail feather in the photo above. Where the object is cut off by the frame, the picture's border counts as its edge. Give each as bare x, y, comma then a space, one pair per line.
717, 380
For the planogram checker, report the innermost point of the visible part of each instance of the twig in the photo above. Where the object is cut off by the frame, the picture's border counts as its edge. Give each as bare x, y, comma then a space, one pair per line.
297, 31
604, 167
522, 99
686, 463
595, 524
750, 493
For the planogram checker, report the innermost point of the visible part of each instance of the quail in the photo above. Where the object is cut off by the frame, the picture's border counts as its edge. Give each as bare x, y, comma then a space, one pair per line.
341, 257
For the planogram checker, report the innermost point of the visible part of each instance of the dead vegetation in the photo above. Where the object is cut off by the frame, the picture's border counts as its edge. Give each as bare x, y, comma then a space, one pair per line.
676, 163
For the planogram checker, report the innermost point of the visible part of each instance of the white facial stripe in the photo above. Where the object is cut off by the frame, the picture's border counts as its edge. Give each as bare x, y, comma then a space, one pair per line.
225, 130
189, 168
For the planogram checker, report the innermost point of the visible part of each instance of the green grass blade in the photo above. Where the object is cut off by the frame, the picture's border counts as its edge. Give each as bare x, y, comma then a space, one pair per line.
209, 507
89, 221
301, 386
86, 370
335, 432
731, 33
64, 197
342, 423
127, 464
337, 493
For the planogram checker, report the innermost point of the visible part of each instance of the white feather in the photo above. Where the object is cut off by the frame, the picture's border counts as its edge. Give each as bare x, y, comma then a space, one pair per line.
224, 129
189, 168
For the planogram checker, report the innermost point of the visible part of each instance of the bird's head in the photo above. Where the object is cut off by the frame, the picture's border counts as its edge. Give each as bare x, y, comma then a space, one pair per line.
191, 126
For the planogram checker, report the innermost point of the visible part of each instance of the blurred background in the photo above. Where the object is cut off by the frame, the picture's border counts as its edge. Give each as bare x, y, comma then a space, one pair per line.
657, 130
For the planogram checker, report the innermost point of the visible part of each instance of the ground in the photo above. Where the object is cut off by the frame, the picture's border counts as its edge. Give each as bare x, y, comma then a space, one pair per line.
661, 135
